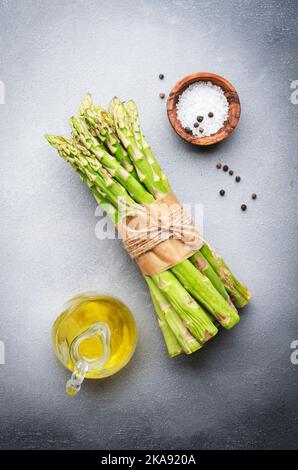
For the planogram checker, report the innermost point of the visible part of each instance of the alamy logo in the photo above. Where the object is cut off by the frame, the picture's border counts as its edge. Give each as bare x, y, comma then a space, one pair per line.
156, 219
294, 94
2, 92
2, 353
294, 355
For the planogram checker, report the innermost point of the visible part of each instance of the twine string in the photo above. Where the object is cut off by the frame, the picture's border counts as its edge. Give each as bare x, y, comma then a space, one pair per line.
144, 232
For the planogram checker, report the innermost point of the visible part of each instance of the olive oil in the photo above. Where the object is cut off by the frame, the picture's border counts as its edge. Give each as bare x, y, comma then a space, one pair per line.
94, 337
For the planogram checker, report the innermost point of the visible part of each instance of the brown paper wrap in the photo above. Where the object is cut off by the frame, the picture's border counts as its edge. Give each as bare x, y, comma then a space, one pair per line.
167, 235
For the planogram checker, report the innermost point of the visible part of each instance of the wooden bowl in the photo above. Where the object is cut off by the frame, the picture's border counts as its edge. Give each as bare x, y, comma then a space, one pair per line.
229, 92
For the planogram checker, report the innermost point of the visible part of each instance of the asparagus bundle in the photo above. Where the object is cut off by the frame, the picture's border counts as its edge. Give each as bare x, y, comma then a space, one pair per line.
111, 155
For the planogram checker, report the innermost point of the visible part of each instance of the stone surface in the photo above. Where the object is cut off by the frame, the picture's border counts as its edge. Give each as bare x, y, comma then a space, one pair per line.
241, 390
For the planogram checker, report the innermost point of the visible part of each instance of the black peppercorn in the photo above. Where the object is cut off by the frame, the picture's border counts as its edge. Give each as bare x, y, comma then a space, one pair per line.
188, 130
231, 172
237, 179
196, 124
225, 168
200, 118
243, 207
161, 76
218, 165
222, 192
254, 196
210, 114
162, 95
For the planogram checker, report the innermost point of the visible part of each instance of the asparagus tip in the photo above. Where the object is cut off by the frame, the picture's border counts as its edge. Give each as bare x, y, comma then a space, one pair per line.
86, 103
53, 140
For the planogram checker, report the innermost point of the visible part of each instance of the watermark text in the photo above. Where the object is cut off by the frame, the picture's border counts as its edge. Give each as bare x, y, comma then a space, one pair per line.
294, 94
294, 354
2, 92
2, 353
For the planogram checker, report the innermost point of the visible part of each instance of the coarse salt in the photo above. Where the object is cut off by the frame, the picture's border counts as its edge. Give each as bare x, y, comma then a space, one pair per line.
200, 99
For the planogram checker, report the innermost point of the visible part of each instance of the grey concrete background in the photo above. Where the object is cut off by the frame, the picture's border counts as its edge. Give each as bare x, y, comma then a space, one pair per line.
241, 390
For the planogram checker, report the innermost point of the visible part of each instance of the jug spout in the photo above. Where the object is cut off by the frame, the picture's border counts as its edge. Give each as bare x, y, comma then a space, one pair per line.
73, 385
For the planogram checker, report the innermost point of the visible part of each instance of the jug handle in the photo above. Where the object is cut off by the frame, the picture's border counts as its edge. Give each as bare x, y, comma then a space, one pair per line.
73, 385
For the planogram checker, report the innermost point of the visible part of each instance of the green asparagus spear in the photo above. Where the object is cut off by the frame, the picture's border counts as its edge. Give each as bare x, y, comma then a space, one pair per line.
204, 267
202, 289
102, 125
95, 172
146, 173
240, 293
190, 312
133, 116
168, 316
135, 189
171, 340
